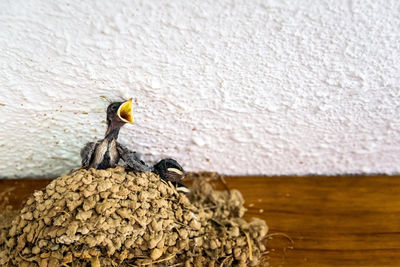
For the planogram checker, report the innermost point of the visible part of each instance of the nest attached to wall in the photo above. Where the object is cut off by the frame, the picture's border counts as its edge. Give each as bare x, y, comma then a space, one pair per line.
116, 217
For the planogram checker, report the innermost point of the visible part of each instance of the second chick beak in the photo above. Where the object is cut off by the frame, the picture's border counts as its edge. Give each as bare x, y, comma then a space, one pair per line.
125, 112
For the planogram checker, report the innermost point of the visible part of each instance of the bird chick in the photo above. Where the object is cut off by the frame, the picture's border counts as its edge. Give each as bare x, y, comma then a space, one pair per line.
104, 153
170, 170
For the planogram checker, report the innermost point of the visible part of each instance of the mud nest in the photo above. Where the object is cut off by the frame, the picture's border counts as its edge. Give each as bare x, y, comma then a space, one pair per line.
116, 217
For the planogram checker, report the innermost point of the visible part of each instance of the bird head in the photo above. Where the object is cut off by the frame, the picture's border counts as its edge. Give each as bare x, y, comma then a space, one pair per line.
119, 113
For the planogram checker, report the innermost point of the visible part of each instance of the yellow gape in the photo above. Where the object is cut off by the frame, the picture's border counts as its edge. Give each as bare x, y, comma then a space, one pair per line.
125, 112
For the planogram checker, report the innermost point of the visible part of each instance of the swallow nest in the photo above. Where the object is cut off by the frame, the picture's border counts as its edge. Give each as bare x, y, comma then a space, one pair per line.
116, 217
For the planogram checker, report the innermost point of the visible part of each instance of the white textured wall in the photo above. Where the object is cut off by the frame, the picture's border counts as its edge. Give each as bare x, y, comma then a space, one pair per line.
238, 87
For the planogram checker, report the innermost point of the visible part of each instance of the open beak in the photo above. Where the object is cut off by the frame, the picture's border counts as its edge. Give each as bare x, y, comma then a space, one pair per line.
125, 112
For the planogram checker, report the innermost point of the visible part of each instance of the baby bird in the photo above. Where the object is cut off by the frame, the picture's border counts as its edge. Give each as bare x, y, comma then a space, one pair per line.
171, 171
106, 152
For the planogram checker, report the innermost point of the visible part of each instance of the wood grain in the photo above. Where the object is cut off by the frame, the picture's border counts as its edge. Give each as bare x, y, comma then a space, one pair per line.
333, 221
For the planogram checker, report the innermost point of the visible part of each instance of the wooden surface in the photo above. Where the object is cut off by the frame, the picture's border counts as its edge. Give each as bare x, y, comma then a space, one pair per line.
332, 221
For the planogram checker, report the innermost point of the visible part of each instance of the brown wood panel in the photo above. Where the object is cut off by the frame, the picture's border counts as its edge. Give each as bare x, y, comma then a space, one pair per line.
333, 221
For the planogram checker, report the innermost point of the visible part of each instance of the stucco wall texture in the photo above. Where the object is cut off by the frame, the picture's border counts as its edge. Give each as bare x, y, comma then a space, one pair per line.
238, 87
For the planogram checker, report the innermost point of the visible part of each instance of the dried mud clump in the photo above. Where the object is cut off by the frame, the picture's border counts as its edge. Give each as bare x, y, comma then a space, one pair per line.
117, 218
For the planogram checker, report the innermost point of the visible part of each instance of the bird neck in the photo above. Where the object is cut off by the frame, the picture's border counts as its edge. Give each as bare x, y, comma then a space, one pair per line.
112, 131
